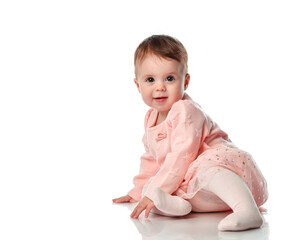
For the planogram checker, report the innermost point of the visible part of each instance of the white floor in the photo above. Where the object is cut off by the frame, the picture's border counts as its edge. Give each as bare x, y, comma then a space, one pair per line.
197, 226
89, 215
192, 226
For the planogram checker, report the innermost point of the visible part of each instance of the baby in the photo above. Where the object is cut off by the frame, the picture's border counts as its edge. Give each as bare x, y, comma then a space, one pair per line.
189, 163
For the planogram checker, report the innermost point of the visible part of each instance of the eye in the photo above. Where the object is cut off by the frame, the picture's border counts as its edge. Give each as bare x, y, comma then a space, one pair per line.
150, 79
170, 78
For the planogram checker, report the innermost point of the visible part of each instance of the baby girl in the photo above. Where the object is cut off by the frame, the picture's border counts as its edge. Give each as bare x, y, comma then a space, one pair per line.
189, 163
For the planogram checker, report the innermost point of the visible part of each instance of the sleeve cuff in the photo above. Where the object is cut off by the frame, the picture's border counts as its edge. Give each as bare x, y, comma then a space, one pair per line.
135, 194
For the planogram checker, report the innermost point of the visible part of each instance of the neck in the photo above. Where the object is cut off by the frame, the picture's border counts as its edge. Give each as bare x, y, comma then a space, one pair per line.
161, 117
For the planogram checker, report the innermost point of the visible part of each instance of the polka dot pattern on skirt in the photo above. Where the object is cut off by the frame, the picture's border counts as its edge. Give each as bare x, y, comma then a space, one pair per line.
212, 160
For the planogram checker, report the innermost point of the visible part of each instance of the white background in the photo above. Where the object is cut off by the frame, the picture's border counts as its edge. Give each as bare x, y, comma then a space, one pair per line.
71, 119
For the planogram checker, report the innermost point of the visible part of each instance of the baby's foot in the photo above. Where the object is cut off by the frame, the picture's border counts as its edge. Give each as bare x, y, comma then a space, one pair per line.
170, 205
241, 220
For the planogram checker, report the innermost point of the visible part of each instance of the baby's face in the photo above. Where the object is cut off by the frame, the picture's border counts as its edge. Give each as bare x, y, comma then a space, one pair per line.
161, 82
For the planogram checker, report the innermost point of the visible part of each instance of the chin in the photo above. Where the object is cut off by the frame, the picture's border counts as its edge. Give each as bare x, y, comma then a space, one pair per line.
163, 109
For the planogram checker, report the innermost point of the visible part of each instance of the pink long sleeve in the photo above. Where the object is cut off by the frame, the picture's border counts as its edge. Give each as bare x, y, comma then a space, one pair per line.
148, 168
187, 125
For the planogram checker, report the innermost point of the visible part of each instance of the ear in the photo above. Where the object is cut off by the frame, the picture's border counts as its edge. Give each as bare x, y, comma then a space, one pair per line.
137, 84
187, 80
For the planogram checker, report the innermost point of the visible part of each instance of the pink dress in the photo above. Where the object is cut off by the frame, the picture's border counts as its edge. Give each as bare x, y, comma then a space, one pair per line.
186, 150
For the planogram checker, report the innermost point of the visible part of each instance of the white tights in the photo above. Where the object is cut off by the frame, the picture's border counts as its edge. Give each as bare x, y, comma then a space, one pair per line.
234, 194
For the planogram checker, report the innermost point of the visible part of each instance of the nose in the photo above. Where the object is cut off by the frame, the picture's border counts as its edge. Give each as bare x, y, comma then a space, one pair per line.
160, 87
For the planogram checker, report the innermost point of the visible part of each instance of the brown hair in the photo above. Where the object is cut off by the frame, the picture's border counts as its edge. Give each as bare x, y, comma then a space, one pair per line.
163, 46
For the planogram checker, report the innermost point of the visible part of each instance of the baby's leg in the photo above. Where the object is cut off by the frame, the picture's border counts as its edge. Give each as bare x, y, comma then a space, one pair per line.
234, 192
169, 205
206, 201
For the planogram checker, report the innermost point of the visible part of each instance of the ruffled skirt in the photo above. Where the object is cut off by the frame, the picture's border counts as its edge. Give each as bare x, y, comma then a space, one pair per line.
202, 169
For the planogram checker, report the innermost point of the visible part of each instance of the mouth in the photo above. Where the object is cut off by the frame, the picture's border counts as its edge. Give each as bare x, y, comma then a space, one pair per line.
160, 99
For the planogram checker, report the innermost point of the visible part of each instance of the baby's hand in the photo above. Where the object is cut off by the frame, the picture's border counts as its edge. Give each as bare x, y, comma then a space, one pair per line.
124, 199
145, 204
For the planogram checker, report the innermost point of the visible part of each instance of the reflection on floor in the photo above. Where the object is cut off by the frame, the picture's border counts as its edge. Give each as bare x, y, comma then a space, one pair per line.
192, 226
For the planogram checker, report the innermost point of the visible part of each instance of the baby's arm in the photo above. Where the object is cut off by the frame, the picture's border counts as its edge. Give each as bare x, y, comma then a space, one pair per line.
148, 168
187, 123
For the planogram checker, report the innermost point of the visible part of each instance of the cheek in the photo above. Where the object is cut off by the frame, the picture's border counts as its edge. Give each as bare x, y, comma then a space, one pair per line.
146, 93
178, 90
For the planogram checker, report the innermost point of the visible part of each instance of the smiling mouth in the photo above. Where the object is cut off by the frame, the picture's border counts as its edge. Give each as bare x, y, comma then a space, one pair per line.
160, 99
